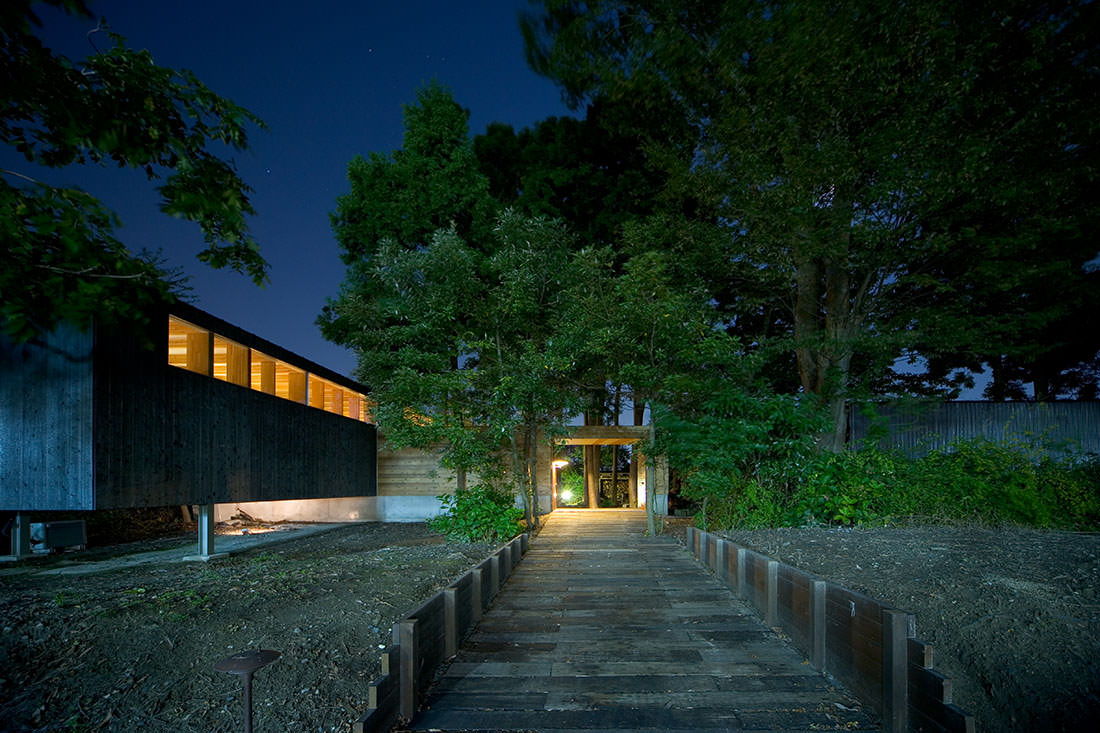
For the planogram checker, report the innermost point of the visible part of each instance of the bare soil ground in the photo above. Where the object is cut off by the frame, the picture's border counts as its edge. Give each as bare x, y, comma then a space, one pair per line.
1013, 614
134, 648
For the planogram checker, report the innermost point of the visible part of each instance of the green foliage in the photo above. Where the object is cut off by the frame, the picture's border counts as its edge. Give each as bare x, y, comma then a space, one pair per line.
844, 488
735, 445
926, 190
480, 513
431, 183
62, 261
571, 488
971, 481
995, 483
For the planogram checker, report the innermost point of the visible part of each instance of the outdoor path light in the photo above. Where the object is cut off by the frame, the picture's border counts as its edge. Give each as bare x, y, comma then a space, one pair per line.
244, 664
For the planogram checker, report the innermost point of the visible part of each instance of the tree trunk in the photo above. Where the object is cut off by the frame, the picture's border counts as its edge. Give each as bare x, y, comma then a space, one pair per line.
650, 489
530, 488
593, 416
807, 327
615, 449
836, 358
997, 391
517, 470
592, 475
825, 323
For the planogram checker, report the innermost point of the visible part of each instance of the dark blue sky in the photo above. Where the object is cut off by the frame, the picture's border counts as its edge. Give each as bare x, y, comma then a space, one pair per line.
329, 78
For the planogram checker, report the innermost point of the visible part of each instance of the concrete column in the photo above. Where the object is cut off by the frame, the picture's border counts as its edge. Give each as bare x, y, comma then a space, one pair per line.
206, 536
21, 536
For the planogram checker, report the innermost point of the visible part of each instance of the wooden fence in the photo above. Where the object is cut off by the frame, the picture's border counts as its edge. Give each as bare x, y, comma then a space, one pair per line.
424, 639
868, 646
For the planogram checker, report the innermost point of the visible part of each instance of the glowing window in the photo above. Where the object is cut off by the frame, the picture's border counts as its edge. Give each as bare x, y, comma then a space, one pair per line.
188, 346
198, 350
231, 362
272, 376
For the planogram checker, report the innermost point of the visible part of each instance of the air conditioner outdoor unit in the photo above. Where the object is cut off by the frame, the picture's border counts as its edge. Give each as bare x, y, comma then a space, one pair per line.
47, 536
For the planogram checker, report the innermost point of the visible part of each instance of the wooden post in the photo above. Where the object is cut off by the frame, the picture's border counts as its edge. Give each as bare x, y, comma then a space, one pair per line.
200, 352
296, 386
406, 632
475, 593
817, 625
722, 566
237, 369
895, 670
740, 572
772, 590
316, 393
450, 622
267, 376
494, 576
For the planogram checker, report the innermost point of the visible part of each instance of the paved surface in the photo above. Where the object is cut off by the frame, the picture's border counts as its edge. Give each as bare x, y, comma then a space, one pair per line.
603, 628
79, 563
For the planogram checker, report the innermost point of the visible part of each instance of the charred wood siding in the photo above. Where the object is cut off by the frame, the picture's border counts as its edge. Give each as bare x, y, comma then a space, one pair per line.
214, 442
113, 425
46, 422
168, 436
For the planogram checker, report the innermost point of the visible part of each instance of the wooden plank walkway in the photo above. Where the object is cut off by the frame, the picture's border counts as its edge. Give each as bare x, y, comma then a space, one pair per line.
603, 628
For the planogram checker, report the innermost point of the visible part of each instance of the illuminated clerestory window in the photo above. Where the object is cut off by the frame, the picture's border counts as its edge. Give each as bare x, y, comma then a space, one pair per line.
198, 350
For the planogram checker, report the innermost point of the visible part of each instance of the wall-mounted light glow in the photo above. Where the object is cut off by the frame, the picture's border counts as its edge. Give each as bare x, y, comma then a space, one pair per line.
567, 496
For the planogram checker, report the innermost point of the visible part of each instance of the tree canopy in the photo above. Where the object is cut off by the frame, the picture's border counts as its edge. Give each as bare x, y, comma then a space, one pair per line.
62, 260
763, 210
853, 154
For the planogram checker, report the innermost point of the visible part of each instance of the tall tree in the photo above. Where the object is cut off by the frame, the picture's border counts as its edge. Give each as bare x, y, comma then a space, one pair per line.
62, 261
432, 182
577, 170
413, 230
838, 141
449, 305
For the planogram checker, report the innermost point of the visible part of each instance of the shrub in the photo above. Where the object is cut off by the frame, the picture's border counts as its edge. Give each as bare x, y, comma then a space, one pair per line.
753, 505
478, 514
845, 488
970, 481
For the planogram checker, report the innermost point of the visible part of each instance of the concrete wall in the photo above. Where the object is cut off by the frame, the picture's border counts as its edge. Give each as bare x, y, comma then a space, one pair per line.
346, 509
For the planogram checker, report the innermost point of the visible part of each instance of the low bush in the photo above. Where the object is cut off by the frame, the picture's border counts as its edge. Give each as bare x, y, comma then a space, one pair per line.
480, 513
971, 481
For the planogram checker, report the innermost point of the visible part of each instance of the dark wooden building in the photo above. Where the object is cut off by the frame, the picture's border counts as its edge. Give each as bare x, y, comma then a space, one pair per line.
188, 409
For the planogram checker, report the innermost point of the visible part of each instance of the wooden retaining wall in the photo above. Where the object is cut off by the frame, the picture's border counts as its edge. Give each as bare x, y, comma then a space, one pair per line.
424, 639
870, 647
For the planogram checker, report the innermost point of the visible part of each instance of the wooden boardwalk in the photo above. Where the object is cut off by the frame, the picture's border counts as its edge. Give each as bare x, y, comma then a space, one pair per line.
603, 628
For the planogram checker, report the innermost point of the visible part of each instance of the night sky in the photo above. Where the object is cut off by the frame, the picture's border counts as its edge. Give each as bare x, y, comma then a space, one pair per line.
329, 79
